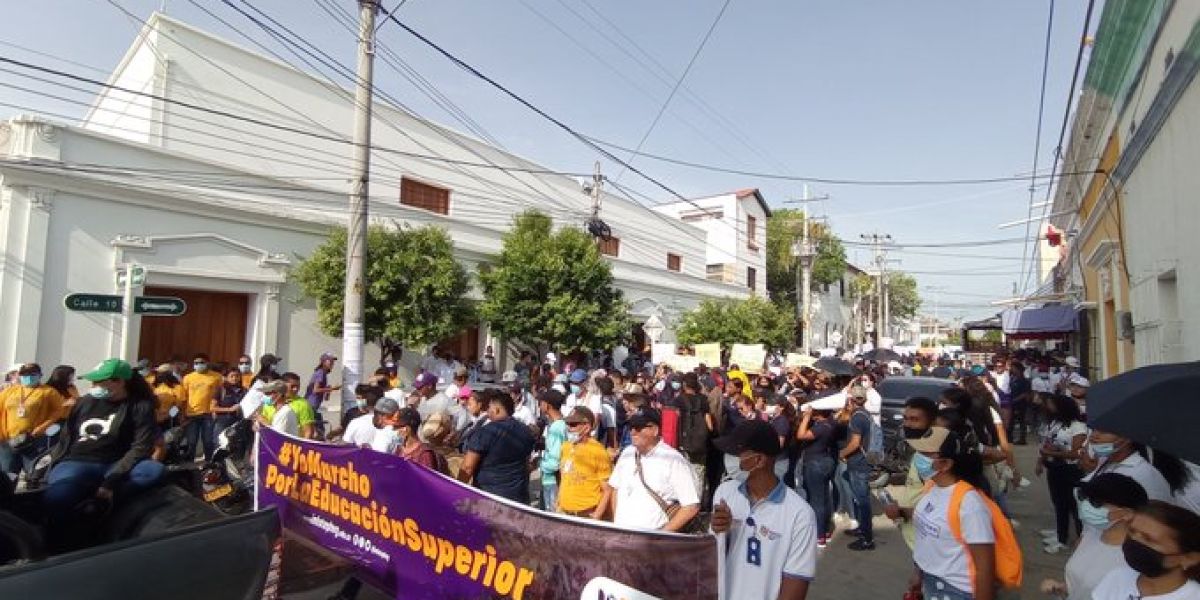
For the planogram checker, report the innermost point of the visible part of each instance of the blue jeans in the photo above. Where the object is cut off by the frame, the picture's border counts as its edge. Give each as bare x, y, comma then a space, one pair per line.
841, 484
817, 476
549, 496
199, 430
936, 588
72, 481
860, 490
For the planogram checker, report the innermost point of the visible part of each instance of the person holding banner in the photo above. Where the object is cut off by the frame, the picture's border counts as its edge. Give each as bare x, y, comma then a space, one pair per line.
771, 545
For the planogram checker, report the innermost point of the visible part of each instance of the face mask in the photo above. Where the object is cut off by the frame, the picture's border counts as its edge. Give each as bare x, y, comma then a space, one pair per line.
575, 389
675, 385
244, 368
144, 372
1143, 558
912, 433
1103, 450
360, 403
29, 380
924, 466
744, 467
574, 437
1092, 515
200, 367
100, 393
660, 386
268, 401
772, 411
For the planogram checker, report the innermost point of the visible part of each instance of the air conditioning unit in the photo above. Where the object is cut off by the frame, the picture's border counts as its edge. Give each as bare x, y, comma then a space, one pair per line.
1124, 321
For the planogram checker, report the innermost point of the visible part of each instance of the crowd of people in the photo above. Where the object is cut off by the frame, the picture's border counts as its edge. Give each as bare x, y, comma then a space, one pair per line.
778, 460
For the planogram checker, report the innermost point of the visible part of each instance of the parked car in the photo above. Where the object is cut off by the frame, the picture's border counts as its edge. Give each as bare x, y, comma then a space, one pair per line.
895, 391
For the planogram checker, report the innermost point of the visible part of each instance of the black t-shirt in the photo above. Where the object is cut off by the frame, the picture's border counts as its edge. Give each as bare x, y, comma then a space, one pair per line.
104, 431
821, 446
504, 448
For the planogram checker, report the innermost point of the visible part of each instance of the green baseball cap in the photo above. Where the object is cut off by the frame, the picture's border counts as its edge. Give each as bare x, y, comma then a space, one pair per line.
113, 368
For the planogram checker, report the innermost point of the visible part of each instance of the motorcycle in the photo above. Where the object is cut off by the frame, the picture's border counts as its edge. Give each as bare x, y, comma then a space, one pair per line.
227, 481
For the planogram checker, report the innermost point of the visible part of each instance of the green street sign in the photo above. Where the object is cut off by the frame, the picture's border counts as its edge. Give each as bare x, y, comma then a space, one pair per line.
100, 303
162, 306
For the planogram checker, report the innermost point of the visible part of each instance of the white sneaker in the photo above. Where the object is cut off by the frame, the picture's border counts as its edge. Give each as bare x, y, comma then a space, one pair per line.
1024, 483
1048, 533
1054, 547
853, 524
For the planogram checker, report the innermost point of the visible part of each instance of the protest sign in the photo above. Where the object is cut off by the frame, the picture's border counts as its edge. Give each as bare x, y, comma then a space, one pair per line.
682, 363
795, 359
660, 353
749, 357
417, 534
709, 354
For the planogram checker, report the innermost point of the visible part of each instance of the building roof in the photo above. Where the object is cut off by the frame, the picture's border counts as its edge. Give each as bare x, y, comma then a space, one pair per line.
745, 192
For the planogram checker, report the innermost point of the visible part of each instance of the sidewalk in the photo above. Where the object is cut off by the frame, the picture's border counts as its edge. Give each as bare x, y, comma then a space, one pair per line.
884, 573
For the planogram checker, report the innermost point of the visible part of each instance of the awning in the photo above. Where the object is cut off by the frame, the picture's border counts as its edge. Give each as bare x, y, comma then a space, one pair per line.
1040, 323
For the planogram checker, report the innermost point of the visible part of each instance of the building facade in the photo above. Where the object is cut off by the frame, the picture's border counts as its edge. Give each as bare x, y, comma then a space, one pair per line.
734, 227
214, 170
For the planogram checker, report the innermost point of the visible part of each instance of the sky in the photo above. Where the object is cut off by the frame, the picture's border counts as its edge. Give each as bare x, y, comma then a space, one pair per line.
851, 89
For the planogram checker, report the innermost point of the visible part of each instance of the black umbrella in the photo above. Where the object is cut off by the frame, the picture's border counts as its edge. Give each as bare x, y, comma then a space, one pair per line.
1158, 405
882, 355
835, 366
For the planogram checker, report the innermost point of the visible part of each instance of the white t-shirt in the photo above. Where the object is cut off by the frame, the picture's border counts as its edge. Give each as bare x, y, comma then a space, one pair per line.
384, 440
784, 530
1042, 386
285, 421
666, 471
1091, 561
1189, 496
360, 430
1061, 438
1121, 584
1003, 381
1141, 471
935, 550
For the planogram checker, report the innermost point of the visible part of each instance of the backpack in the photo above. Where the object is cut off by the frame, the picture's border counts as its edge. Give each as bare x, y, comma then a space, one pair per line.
873, 446
693, 429
1008, 552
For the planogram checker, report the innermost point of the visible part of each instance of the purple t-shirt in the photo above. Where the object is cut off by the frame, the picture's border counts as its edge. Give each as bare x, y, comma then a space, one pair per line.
318, 380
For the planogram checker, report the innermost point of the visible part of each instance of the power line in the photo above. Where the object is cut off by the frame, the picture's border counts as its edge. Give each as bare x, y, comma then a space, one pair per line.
678, 82
1037, 138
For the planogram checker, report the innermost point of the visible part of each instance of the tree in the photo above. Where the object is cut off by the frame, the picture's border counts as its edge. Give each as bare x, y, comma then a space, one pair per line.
416, 291
783, 232
729, 321
553, 289
903, 300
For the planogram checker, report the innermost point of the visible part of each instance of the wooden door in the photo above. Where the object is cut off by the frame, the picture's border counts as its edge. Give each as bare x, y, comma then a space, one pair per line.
215, 324
464, 345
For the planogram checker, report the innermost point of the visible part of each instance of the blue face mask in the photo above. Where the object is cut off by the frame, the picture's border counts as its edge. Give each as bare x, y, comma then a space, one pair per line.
575, 389
1103, 450
30, 380
1092, 515
675, 385
924, 466
99, 393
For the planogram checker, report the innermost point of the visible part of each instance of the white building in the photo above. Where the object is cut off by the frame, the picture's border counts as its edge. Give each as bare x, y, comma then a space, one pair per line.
735, 231
216, 209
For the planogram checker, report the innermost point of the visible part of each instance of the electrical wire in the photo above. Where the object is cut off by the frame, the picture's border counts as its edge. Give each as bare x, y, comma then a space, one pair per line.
1037, 138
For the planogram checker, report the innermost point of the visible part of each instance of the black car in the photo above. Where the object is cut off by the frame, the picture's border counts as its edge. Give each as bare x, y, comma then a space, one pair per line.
895, 391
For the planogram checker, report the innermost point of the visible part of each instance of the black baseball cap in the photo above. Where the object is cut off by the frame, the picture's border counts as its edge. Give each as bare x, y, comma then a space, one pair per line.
645, 417
755, 436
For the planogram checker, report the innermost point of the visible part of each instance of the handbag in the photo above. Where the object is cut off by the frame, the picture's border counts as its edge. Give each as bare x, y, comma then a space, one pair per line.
668, 508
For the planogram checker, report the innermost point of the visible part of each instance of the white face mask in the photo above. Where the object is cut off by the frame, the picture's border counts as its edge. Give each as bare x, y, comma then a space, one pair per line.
574, 437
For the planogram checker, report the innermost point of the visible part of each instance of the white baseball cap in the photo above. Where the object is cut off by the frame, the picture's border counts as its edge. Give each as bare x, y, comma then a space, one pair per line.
1079, 380
1072, 362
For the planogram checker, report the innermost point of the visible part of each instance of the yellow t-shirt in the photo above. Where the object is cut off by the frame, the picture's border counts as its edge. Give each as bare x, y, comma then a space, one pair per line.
201, 389
584, 467
42, 403
167, 397
247, 380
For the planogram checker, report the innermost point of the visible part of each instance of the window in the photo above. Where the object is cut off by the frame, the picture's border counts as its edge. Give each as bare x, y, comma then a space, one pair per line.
674, 262
609, 247
751, 229
424, 196
751, 277
842, 287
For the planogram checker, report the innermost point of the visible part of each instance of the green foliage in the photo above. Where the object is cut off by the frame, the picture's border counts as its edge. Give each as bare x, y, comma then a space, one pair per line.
416, 291
784, 231
729, 321
902, 296
553, 289
993, 336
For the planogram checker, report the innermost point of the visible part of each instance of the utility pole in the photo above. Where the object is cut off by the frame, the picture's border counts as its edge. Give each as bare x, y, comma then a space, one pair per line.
937, 327
356, 230
881, 318
594, 190
806, 253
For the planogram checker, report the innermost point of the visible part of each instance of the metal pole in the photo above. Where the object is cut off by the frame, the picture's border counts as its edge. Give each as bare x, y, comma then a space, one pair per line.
356, 230
806, 276
127, 314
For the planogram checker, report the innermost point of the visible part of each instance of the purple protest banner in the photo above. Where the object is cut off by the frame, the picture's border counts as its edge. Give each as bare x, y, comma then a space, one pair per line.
418, 534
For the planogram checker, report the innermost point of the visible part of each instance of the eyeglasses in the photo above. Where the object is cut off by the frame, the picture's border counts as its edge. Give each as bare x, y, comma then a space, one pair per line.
243, 363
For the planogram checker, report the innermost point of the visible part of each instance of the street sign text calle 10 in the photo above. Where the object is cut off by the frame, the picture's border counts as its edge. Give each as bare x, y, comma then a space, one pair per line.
155, 306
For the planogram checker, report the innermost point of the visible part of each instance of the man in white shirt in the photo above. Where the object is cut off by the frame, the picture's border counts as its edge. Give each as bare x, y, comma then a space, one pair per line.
650, 464
362, 430
526, 410
771, 533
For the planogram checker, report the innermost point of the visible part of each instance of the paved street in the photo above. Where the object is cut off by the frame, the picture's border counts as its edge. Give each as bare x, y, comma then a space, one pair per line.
842, 573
